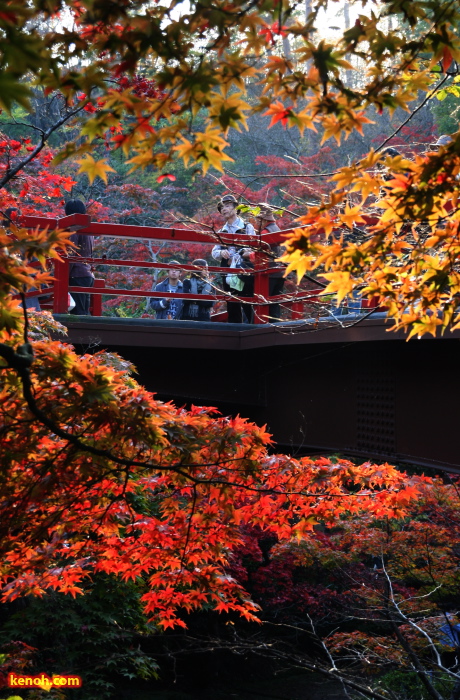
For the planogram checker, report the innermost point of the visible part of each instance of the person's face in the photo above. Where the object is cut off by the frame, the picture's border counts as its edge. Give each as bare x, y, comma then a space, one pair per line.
227, 209
262, 223
173, 275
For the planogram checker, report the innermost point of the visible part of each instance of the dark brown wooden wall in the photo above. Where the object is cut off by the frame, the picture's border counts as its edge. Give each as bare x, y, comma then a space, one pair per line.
359, 391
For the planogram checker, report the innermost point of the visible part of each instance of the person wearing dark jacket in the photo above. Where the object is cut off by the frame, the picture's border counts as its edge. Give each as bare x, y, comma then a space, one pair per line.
267, 224
80, 274
169, 308
197, 309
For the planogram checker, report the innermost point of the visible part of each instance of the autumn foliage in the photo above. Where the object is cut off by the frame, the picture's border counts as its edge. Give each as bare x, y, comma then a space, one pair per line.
165, 504
99, 477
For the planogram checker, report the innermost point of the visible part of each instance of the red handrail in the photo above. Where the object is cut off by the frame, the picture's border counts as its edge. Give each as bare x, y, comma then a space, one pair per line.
82, 223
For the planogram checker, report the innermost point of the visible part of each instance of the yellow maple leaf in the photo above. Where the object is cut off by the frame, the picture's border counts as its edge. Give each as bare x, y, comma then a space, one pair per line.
97, 126
141, 160
325, 222
356, 121
351, 215
213, 157
233, 71
207, 149
228, 110
428, 324
345, 176
366, 184
94, 168
302, 120
186, 150
339, 283
298, 262
211, 137
332, 127
160, 159
370, 159
170, 132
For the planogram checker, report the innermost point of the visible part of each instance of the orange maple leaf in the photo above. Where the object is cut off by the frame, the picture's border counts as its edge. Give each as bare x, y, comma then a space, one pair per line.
278, 112
447, 58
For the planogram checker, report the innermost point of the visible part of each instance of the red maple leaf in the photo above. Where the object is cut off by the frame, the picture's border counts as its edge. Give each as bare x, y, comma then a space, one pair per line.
278, 113
166, 176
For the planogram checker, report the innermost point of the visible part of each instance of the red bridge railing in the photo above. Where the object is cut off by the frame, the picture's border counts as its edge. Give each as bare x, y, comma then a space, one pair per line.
260, 245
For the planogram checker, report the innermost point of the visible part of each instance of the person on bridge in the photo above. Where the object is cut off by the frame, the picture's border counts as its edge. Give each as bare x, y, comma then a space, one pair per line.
235, 256
267, 224
80, 274
197, 309
443, 140
169, 308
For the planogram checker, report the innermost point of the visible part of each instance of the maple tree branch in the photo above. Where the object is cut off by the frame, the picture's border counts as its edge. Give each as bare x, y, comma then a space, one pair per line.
268, 650
10, 173
34, 127
404, 618
338, 675
26, 318
406, 645
362, 317
422, 104
421, 672
328, 654
256, 176
21, 361
189, 525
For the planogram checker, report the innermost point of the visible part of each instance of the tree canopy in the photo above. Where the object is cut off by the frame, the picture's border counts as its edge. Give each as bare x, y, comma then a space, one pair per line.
199, 60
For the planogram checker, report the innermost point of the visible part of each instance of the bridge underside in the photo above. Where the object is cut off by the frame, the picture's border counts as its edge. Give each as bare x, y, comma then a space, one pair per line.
359, 391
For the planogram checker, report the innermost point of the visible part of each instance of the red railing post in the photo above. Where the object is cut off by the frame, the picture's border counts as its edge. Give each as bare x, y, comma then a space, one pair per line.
61, 286
261, 287
96, 299
297, 310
